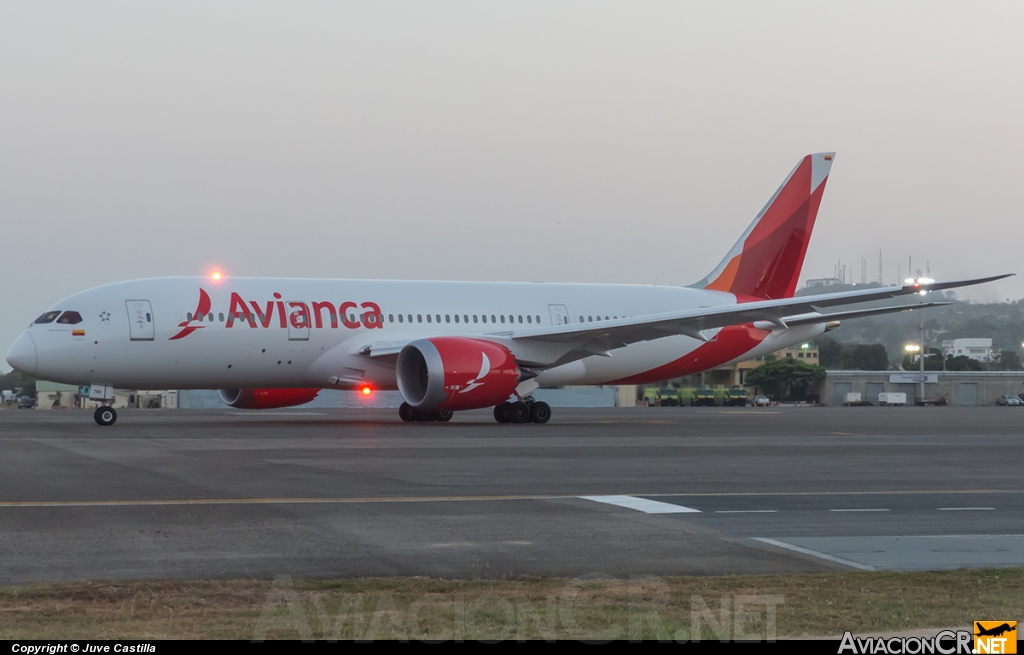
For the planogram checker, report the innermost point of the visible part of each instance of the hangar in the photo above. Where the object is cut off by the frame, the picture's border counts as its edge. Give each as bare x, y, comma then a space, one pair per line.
948, 387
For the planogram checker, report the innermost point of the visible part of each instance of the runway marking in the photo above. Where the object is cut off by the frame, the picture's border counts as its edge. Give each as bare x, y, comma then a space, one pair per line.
858, 510
642, 504
746, 511
814, 553
445, 499
848, 434
967, 509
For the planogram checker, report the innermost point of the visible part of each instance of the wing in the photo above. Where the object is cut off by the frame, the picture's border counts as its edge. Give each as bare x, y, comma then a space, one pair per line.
544, 347
557, 345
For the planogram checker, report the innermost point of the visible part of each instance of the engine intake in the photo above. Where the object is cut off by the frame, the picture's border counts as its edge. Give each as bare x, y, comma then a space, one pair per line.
266, 398
456, 373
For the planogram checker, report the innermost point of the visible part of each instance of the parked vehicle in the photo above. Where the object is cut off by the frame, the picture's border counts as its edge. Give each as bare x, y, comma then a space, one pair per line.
854, 400
705, 396
737, 397
26, 402
1009, 401
892, 398
652, 397
762, 401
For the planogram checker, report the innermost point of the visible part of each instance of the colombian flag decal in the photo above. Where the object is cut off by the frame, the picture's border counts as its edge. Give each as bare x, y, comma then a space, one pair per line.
78, 333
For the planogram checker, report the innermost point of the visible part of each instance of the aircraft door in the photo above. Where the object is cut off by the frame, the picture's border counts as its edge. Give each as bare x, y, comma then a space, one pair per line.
140, 320
298, 321
559, 314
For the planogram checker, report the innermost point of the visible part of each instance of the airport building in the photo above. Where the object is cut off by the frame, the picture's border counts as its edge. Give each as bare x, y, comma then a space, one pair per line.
977, 349
946, 387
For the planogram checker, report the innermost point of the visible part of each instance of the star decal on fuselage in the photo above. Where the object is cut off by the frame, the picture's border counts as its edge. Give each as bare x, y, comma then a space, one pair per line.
104, 316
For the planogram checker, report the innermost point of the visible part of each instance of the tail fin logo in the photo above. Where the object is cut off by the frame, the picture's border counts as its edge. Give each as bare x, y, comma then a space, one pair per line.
201, 310
485, 368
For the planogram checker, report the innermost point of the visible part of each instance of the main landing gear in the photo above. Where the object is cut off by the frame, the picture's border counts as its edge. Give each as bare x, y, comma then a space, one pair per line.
523, 412
528, 411
408, 413
105, 415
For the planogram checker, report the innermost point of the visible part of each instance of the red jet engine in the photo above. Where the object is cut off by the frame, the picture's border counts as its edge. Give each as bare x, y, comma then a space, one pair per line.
266, 398
455, 373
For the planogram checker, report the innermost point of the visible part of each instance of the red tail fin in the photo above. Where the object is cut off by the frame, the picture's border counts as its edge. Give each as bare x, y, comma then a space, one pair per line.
766, 261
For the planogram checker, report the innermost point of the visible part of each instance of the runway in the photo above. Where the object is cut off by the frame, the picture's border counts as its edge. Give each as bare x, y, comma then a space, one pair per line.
660, 491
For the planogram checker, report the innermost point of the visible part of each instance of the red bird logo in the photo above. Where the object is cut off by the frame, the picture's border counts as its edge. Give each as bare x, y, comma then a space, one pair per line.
201, 310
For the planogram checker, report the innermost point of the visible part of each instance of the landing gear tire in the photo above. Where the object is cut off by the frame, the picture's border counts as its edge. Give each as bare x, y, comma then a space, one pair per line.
501, 413
518, 412
445, 415
405, 412
105, 415
540, 412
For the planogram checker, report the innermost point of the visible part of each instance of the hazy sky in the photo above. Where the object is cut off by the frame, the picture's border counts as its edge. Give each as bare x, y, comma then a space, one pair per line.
560, 141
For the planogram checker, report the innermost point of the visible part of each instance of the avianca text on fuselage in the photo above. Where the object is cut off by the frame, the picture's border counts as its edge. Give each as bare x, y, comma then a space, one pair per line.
296, 313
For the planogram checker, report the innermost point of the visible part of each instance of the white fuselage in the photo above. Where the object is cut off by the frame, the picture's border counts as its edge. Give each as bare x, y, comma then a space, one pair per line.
144, 334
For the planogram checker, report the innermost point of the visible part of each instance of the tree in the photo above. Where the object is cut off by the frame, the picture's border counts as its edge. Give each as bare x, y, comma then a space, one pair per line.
963, 363
830, 352
784, 378
862, 357
24, 385
1009, 360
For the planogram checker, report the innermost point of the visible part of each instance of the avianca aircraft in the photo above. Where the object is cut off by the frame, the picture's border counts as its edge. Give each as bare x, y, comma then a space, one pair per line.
446, 346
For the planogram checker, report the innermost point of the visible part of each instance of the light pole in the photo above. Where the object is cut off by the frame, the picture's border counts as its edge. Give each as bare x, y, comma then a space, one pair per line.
920, 314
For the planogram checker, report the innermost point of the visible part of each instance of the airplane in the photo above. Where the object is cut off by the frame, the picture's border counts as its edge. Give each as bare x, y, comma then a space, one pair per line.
997, 631
448, 346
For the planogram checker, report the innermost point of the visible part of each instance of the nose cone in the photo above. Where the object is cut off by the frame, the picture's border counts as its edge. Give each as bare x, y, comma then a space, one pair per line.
22, 355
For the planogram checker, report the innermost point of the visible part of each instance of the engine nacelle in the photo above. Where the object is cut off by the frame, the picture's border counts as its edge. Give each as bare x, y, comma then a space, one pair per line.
266, 398
455, 373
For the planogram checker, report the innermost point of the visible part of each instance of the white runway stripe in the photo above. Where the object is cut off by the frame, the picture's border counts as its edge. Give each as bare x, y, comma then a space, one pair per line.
858, 510
967, 509
642, 504
814, 553
745, 511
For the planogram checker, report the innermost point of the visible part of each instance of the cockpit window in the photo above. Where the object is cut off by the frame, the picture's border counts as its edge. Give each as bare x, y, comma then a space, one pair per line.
70, 318
48, 317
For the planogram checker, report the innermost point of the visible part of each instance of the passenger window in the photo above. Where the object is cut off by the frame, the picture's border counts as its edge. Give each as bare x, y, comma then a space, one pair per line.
529, 319
474, 318
581, 319
456, 318
447, 318
189, 316
220, 317
419, 318
438, 317
538, 319
428, 318
400, 318
520, 318
502, 318
465, 318
492, 319
485, 318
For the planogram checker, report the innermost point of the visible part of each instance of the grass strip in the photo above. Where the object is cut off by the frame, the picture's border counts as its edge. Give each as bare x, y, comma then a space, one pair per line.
666, 608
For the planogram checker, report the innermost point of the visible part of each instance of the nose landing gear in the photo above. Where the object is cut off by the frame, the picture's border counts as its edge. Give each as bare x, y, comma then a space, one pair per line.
105, 415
